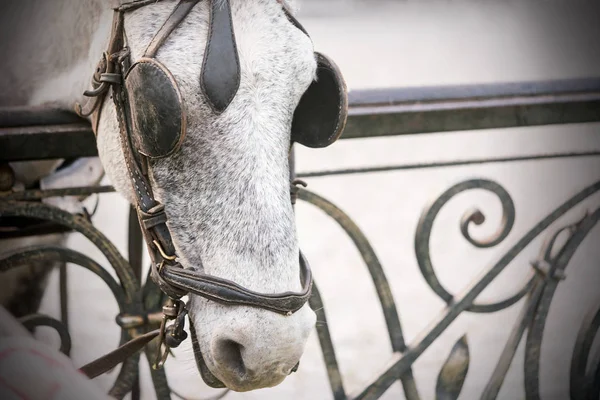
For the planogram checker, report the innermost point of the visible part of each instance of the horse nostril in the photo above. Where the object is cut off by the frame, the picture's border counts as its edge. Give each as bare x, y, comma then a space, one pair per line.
229, 353
295, 369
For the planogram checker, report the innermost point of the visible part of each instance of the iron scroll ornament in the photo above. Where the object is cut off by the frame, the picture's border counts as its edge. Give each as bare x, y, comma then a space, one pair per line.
475, 216
399, 367
126, 292
403, 358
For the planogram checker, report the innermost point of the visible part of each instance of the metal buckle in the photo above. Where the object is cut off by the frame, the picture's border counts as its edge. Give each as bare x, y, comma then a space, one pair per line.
171, 336
162, 252
161, 357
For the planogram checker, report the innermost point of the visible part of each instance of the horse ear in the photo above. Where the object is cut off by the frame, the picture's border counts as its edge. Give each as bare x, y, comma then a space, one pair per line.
321, 115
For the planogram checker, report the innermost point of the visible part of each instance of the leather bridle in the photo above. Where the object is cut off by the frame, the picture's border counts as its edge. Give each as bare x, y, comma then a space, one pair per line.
166, 271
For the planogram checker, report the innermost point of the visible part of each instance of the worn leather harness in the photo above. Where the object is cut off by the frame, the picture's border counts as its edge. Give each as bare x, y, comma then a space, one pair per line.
145, 136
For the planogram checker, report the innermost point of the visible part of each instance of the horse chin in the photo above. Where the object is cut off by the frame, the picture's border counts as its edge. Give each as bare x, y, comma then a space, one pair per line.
207, 376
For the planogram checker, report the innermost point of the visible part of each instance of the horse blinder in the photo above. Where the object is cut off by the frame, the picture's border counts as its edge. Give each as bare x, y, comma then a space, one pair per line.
321, 115
155, 109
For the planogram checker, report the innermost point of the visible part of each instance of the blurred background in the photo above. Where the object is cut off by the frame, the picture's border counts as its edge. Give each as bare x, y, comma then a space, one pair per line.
381, 44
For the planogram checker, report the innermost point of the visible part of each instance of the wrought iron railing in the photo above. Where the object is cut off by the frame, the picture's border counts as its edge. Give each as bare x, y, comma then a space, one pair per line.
31, 134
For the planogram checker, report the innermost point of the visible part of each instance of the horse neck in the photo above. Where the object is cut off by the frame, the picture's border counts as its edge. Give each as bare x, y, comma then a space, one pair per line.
54, 48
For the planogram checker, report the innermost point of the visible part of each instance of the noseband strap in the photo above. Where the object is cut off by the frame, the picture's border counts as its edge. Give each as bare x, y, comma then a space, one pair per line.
229, 293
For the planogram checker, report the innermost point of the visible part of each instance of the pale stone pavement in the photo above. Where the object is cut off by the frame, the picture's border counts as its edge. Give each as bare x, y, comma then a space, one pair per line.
410, 43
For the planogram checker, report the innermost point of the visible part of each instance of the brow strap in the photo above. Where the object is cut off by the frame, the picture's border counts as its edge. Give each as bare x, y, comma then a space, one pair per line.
182, 9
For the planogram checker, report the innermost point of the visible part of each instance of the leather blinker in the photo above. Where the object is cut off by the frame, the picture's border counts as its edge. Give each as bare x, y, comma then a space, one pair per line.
321, 115
220, 77
156, 109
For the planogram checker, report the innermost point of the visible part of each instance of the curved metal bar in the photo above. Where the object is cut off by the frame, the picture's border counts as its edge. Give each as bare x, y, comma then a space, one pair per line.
399, 365
162, 390
425, 226
370, 258
127, 375
552, 275
582, 383
154, 299
327, 349
442, 164
477, 217
133, 301
135, 253
595, 379
36, 320
501, 305
59, 254
63, 290
80, 224
380, 281
216, 397
37, 194
508, 353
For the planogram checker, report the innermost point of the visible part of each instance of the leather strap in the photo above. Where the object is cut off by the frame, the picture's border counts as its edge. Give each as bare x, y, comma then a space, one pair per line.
147, 206
182, 9
116, 357
207, 376
291, 18
229, 293
105, 74
220, 77
134, 5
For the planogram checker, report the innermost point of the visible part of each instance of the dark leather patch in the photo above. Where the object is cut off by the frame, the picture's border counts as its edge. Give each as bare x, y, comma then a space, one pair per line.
220, 77
320, 117
156, 109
